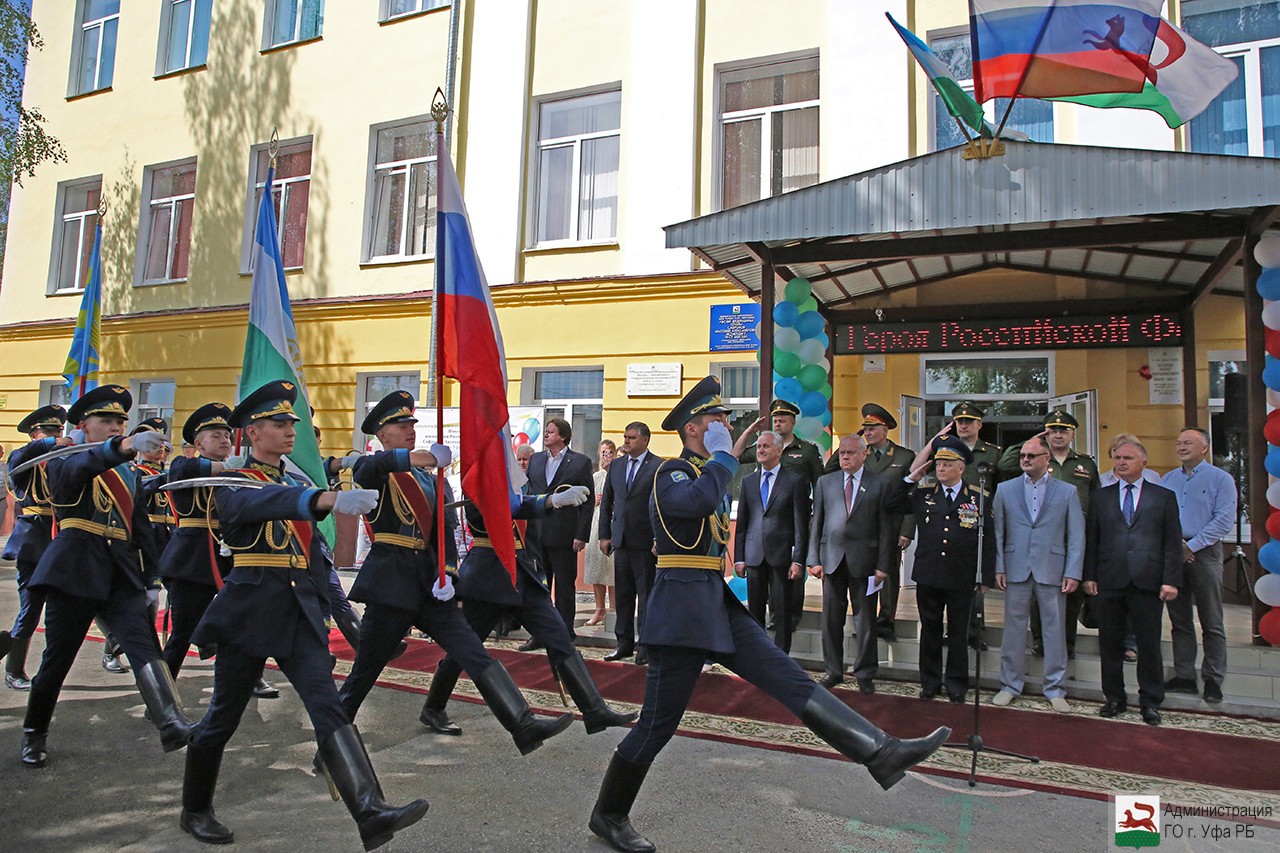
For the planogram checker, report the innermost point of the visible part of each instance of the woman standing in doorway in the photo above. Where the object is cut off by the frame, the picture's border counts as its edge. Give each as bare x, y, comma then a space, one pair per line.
597, 568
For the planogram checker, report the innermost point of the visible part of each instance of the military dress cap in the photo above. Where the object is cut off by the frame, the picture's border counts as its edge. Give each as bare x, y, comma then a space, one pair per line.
703, 399
112, 401
159, 425
874, 414
273, 401
953, 448
45, 417
782, 407
967, 410
395, 408
208, 416
1060, 418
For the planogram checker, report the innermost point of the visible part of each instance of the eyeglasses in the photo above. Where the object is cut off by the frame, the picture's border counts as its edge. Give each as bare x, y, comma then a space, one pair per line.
1031, 455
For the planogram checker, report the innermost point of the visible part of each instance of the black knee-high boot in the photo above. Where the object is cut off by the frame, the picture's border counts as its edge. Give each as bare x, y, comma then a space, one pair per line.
35, 726
611, 817
347, 764
509, 706
15, 665
160, 694
596, 715
435, 715
198, 784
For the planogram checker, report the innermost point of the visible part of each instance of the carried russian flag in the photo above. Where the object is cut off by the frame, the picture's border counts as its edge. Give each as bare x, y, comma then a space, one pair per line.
81, 369
1061, 48
471, 348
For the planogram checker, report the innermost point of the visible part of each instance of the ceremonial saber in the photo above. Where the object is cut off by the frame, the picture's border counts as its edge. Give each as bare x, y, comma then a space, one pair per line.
201, 482
56, 453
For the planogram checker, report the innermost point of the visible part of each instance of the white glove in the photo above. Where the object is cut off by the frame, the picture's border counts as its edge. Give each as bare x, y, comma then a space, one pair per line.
76, 436
572, 496
349, 460
718, 438
355, 502
443, 455
238, 461
445, 592
148, 442
153, 597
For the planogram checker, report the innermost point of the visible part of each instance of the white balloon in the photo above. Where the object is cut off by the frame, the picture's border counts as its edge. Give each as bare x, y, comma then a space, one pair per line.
1273, 399
825, 364
1271, 315
808, 428
1267, 252
1268, 589
786, 339
811, 351
1273, 494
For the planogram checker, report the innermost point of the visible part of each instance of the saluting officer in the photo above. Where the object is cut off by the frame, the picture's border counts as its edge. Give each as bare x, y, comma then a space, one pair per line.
92, 569
399, 579
693, 618
32, 533
892, 460
273, 605
966, 423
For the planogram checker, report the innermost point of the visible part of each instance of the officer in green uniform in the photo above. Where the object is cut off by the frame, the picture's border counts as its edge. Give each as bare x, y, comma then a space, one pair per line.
893, 461
1079, 470
966, 419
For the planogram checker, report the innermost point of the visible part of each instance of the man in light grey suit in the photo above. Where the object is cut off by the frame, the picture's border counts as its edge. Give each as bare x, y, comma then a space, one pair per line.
1040, 545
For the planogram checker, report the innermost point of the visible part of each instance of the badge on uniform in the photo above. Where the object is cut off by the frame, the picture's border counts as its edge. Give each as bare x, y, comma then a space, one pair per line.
678, 476
1081, 471
968, 514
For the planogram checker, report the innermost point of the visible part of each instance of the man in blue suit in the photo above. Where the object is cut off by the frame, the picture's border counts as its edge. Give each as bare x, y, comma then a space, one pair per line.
1039, 529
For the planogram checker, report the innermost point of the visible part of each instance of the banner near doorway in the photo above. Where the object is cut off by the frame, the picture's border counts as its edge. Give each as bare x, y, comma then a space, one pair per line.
801, 369
1267, 254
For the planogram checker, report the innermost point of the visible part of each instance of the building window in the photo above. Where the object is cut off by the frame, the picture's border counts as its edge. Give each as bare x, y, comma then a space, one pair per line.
1030, 116
577, 162
184, 34
96, 47
402, 223
1245, 118
740, 391
399, 8
153, 398
167, 235
768, 130
372, 387
73, 244
55, 392
293, 20
575, 394
1011, 389
290, 193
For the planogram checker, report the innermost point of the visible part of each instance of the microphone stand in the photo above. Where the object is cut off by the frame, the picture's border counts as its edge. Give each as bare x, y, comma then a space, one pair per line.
974, 742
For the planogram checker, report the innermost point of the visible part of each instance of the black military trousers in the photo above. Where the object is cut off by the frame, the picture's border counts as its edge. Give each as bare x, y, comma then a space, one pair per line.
932, 602
673, 672
30, 603
309, 669
66, 621
187, 604
535, 613
382, 629
633, 574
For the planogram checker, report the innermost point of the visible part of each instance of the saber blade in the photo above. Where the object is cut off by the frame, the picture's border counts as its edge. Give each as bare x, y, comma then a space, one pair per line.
56, 453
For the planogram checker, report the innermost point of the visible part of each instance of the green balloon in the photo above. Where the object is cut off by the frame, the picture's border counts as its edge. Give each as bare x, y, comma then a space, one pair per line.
812, 377
824, 441
808, 304
825, 390
786, 363
798, 290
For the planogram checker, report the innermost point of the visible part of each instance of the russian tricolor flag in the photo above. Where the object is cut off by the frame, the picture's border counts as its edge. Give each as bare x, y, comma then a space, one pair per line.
1060, 48
471, 345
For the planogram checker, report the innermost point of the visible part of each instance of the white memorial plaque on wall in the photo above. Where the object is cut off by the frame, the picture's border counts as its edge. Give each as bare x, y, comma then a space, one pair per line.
873, 364
658, 379
1165, 385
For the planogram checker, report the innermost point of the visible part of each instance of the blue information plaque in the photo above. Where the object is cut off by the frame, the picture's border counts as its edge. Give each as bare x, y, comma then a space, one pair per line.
733, 327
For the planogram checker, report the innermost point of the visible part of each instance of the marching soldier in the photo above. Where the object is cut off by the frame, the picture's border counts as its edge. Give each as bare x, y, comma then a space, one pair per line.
273, 605
92, 569
152, 465
399, 585
893, 461
32, 533
693, 618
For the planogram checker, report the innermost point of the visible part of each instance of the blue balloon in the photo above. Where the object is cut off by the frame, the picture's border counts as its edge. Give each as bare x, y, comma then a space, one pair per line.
1269, 556
787, 389
777, 377
825, 415
785, 314
738, 586
1271, 373
1269, 284
822, 338
1273, 461
809, 324
812, 404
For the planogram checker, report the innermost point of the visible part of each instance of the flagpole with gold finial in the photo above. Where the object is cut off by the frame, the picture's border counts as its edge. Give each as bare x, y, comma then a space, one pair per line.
439, 114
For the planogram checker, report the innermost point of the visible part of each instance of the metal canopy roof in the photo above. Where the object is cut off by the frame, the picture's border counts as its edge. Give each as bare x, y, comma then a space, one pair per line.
1164, 218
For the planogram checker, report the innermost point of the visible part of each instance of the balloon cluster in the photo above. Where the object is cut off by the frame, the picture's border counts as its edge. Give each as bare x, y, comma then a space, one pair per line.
528, 434
801, 369
1267, 589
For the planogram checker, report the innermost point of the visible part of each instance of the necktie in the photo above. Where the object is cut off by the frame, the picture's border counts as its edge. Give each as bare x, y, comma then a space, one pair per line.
848, 494
951, 494
877, 454
1127, 508
632, 464
764, 488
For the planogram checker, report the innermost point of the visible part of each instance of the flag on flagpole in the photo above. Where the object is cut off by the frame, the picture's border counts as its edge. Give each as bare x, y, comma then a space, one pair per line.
472, 353
271, 349
1060, 48
81, 369
1185, 76
958, 102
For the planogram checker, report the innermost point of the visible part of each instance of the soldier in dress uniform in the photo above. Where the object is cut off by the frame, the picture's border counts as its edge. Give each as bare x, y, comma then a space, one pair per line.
947, 517
32, 533
893, 461
399, 579
274, 605
151, 465
966, 423
92, 568
1081, 471
693, 618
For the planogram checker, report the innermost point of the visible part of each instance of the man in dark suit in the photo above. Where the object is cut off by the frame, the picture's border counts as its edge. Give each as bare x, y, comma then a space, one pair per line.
772, 535
851, 541
894, 461
1133, 564
563, 534
627, 534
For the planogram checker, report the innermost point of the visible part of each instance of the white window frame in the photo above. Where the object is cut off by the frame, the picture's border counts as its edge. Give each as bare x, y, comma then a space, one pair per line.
529, 390
141, 412
283, 184
575, 182
420, 6
84, 31
166, 31
269, 24
80, 220
153, 206
364, 405
55, 391
377, 172
758, 69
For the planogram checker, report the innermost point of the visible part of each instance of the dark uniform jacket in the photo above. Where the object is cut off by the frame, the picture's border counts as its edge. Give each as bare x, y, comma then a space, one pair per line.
277, 586
193, 552
482, 577
690, 515
1078, 469
984, 451
894, 463
96, 538
33, 526
947, 547
560, 529
403, 564
151, 477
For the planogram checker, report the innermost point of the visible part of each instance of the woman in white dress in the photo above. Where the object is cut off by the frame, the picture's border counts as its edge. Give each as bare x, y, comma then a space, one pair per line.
597, 568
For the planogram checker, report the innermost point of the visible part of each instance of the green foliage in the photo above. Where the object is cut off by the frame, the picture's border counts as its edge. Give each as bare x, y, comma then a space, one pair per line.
24, 142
